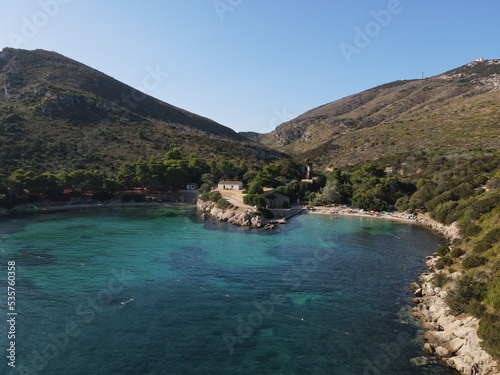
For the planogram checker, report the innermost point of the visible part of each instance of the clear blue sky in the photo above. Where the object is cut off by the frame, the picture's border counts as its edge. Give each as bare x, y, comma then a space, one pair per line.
251, 64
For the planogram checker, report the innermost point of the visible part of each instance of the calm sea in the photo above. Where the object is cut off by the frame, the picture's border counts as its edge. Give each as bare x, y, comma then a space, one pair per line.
159, 291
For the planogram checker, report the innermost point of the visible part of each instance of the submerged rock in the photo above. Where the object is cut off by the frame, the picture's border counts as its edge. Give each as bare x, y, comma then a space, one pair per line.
421, 361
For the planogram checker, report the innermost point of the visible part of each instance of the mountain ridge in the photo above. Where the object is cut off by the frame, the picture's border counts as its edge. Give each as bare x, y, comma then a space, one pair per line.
388, 119
58, 113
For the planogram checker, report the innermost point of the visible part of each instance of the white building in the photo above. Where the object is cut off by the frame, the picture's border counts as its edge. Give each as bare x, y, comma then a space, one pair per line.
230, 185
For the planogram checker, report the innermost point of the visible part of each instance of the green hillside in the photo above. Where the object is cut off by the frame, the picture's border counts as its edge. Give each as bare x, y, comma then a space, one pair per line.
455, 113
56, 113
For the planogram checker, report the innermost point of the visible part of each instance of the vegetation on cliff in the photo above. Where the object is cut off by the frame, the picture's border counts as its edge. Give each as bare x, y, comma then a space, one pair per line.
454, 113
58, 114
467, 192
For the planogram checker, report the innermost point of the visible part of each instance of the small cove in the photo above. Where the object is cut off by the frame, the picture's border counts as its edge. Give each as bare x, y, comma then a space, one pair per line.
320, 295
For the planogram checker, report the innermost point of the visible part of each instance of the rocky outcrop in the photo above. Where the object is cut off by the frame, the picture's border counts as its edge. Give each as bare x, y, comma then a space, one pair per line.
453, 339
238, 217
3, 212
449, 231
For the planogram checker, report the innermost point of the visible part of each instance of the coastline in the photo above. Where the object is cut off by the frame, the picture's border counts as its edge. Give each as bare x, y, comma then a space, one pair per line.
396, 216
452, 339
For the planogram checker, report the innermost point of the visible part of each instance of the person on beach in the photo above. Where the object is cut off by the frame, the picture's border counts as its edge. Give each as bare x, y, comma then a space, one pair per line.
474, 370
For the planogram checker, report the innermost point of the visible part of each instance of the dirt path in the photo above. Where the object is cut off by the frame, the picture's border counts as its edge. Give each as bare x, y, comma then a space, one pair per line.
235, 197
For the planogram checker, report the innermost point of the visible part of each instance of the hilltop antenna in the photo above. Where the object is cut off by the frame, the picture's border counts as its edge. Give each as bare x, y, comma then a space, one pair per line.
422, 75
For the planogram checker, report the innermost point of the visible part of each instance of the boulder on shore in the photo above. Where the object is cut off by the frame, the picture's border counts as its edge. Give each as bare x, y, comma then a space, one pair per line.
453, 339
237, 217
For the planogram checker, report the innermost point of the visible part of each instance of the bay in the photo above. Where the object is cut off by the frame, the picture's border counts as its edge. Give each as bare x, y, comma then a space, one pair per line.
160, 291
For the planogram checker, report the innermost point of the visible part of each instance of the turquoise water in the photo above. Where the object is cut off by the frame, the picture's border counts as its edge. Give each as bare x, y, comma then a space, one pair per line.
159, 291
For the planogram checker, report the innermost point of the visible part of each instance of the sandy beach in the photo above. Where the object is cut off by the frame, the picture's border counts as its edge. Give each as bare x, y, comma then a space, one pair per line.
346, 211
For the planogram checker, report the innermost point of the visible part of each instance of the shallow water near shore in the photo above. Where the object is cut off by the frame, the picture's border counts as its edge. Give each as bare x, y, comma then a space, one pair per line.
159, 291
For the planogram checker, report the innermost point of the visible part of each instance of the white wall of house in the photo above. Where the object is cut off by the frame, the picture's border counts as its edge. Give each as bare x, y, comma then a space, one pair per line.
230, 185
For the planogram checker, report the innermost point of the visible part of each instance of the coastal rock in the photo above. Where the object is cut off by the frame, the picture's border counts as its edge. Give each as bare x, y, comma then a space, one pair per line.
414, 286
454, 345
3, 212
454, 339
421, 361
429, 348
445, 321
418, 292
442, 352
465, 331
449, 231
459, 364
440, 337
232, 216
455, 275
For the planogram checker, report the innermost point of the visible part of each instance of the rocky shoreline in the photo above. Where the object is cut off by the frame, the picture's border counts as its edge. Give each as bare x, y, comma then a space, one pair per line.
243, 217
238, 217
452, 338
450, 232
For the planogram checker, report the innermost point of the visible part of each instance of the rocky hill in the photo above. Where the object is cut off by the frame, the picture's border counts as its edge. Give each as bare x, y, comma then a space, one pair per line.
454, 113
56, 113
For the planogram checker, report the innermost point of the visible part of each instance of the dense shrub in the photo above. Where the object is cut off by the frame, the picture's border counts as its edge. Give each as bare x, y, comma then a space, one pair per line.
476, 308
440, 199
481, 247
444, 210
442, 250
464, 291
403, 204
223, 204
443, 262
483, 205
214, 196
255, 187
492, 237
439, 279
205, 188
489, 331
468, 228
254, 200
473, 261
457, 252
493, 295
